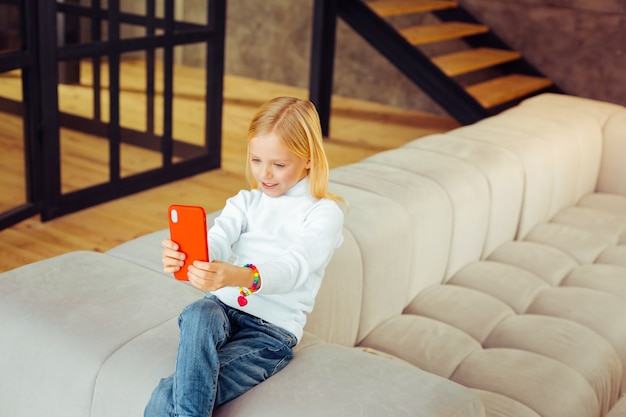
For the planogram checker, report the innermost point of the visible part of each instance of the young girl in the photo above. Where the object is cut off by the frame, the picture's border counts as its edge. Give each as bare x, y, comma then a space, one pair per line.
280, 237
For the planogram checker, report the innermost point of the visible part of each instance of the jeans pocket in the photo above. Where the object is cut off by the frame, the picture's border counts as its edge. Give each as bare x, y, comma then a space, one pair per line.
287, 355
279, 345
281, 336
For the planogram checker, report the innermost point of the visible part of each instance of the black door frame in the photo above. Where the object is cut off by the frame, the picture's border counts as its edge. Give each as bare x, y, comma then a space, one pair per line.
25, 59
39, 60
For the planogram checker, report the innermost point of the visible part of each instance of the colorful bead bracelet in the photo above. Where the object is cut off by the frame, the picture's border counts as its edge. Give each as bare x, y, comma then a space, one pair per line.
244, 292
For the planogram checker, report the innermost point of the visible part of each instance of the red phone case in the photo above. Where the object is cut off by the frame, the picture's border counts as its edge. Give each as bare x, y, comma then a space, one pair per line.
188, 230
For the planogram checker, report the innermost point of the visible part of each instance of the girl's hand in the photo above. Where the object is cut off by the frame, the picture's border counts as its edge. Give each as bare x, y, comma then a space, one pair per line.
208, 276
172, 259
211, 276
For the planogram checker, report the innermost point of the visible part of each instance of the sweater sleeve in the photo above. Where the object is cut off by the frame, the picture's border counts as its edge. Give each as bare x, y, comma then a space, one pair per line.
227, 227
309, 254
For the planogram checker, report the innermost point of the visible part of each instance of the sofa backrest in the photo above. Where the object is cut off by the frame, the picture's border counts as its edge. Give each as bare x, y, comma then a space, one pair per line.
504, 176
559, 141
381, 227
337, 311
416, 215
612, 177
420, 213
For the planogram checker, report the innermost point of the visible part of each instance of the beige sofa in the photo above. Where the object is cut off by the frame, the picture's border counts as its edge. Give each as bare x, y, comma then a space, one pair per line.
483, 273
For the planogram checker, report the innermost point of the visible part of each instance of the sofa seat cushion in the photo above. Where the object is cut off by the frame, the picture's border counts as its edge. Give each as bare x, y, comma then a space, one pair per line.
144, 251
526, 293
583, 245
619, 410
65, 317
536, 381
327, 376
429, 344
615, 255
128, 377
94, 334
515, 286
465, 309
497, 405
568, 342
545, 385
603, 223
473, 312
603, 277
608, 203
556, 267
603, 313
331, 380
546, 262
593, 231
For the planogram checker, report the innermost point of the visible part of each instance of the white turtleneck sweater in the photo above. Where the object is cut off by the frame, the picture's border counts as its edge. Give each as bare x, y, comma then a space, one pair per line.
290, 239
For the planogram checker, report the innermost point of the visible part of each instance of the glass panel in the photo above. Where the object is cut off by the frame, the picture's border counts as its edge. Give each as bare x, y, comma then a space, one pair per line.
84, 160
104, 30
12, 158
85, 30
69, 72
159, 8
68, 28
128, 31
72, 29
134, 105
135, 159
189, 117
134, 7
192, 11
11, 85
158, 92
133, 91
12, 161
10, 38
76, 97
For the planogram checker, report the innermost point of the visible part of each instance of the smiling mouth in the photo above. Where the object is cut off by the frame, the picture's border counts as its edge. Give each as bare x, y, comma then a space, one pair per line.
268, 185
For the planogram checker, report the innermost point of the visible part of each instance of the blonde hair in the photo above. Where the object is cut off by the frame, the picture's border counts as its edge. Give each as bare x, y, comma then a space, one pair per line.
297, 123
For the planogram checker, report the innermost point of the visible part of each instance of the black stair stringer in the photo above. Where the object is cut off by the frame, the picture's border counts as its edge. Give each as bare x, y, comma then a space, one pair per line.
375, 30
411, 62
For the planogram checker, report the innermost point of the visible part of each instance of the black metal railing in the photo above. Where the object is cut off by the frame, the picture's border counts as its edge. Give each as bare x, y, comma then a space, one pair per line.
39, 58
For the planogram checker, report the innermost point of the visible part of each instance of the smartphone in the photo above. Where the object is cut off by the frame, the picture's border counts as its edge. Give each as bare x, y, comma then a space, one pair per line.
188, 230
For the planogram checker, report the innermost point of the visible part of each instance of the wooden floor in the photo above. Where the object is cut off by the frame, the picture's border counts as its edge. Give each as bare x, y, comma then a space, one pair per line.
358, 129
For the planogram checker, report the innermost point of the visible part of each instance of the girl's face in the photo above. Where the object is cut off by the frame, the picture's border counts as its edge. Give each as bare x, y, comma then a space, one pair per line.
274, 166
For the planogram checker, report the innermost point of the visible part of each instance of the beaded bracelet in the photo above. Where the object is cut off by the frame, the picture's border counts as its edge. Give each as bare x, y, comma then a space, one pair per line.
244, 292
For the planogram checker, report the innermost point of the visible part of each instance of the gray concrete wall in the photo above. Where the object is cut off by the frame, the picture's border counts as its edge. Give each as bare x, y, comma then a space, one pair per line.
581, 44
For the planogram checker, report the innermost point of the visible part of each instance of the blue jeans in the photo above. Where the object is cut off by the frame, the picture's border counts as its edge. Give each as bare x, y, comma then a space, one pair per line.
222, 353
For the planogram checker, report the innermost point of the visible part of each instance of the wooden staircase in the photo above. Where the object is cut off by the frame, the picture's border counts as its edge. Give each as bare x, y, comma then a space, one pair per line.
477, 76
489, 93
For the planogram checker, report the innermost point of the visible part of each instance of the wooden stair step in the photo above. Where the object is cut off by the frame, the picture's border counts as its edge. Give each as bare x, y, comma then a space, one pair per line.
386, 8
473, 60
504, 89
419, 35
